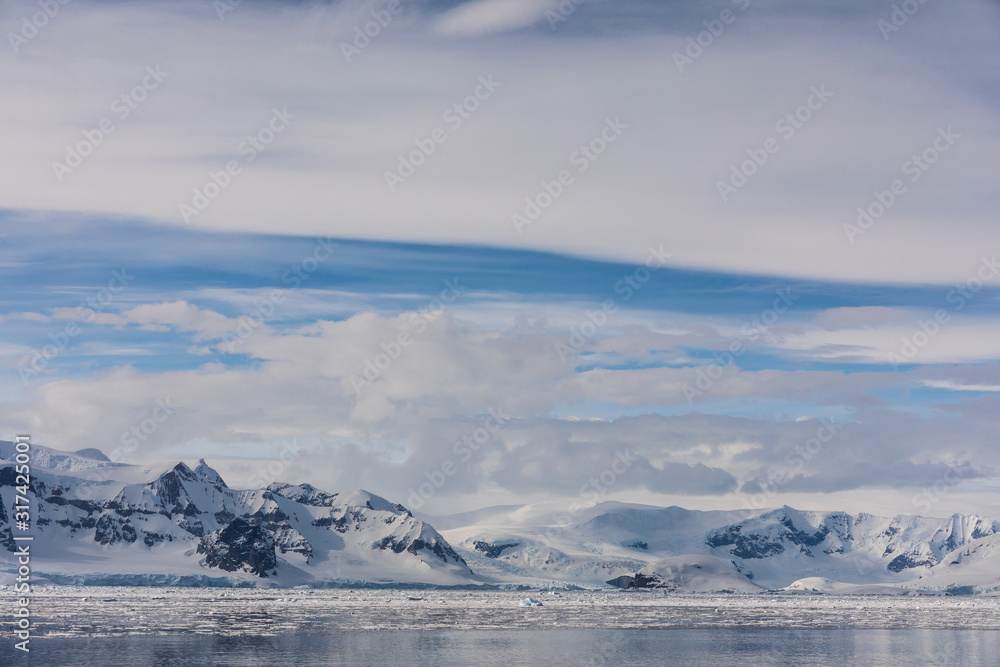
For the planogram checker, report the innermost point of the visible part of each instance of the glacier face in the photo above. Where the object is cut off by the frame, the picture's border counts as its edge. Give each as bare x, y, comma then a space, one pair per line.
95, 520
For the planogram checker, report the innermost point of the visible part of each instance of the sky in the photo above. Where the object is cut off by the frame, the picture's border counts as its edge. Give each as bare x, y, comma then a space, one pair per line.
714, 254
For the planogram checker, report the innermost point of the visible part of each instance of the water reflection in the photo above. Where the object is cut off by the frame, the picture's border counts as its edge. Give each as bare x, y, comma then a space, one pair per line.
709, 647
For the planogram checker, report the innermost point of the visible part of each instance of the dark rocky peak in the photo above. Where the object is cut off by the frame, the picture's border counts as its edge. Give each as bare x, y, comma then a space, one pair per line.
184, 472
208, 473
168, 486
242, 545
306, 494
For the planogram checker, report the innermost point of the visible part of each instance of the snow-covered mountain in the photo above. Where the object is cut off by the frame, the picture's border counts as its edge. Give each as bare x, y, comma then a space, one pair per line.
684, 574
187, 526
54, 460
638, 546
98, 521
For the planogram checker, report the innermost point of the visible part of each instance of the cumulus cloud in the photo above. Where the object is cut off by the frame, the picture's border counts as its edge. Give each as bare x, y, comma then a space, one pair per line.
385, 401
375, 381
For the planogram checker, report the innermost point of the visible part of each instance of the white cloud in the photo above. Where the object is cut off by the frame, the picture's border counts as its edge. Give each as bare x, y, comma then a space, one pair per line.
27, 316
439, 387
486, 16
958, 386
656, 184
959, 340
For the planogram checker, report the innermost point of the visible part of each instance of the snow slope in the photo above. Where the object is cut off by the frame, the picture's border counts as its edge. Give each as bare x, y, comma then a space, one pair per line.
771, 548
96, 520
189, 526
46, 458
691, 574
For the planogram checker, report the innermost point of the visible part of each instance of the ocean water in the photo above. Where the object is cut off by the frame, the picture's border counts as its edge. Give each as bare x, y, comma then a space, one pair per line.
714, 647
149, 627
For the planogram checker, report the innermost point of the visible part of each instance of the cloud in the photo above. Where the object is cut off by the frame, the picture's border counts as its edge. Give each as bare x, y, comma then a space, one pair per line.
89, 315
480, 17
356, 121
380, 379
27, 316
182, 316
958, 386
385, 411
959, 339
861, 317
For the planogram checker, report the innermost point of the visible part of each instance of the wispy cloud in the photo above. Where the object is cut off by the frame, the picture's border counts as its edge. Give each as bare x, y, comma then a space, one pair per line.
958, 386
354, 120
480, 17
391, 349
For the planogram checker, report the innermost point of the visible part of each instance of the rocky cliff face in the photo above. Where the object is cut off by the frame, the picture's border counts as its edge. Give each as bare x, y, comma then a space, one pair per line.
186, 524
898, 543
240, 546
767, 548
189, 521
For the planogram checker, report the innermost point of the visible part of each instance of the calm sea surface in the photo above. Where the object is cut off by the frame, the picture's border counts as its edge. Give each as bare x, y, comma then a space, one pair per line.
715, 647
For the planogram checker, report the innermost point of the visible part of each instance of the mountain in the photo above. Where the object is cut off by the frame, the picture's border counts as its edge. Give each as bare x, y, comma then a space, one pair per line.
96, 521
689, 574
632, 545
54, 460
823, 585
188, 526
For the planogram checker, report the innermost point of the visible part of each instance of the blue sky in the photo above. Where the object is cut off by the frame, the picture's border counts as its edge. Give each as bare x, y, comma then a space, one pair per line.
251, 265
163, 264
163, 335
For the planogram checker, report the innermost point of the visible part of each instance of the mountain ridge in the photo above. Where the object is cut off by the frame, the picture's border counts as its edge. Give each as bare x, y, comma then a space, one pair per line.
188, 525
188, 522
